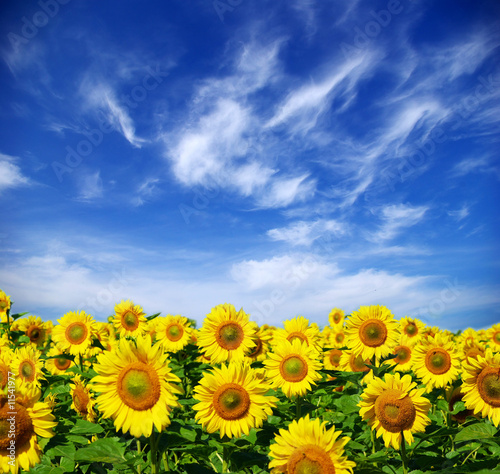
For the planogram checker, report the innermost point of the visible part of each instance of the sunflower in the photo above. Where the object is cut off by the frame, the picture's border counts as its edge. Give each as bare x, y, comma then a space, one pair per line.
404, 354
57, 363
468, 337
32, 418
395, 408
4, 306
226, 334
83, 401
232, 399
293, 366
436, 361
350, 362
74, 332
412, 328
337, 338
331, 359
471, 350
308, 447
336, 318
262, 340
135, 385
481, 386
129, 319
26, 363
5, 368
298, 328
372, 332
33, 327
173, 332
493, 335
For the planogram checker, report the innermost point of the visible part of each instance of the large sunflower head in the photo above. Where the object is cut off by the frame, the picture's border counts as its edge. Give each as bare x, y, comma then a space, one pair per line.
481, 386
232, 400
336, 318
4, 306
293, 367
412, 328
136, 386
28, 418
436, 361
372, 332
395, 408
129, 319
173, 332
27, 365
298, 328
83, 400
74, 332
226, 334
58, 361
306, 446
33, 327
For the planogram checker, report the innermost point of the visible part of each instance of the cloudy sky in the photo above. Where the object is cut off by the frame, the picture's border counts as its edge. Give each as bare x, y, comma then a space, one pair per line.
286, 157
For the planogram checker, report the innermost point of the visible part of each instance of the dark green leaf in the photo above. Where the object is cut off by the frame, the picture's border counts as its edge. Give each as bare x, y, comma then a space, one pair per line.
104, 450
476, 431
86, 428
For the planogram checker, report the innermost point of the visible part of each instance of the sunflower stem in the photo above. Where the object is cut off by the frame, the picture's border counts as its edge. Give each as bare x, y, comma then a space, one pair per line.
154, 456
139, 451
81, 363
226, 454
165, 462
298, 407
404, 457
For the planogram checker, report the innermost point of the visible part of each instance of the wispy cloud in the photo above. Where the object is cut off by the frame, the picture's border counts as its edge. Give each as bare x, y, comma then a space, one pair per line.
306, 232
11, 175
90, 186
395, 219
460, 214
146, 191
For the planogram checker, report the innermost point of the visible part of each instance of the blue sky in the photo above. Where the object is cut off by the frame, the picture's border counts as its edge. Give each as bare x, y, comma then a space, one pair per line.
285, 157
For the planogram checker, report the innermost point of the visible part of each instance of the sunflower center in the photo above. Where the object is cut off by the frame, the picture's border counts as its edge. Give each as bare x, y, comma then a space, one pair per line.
488, 384
4, 375
310, 459
76, 332
3, 305
403, 354
335, 357
230, 335
297, 335
130, 321
395, 414
293, 368
337, 317
339, 337
496, 337
61, 363
373, 333
411, 329
438, 361
358, 364
231, 401
34, 333
139, 386
81, 400
20, 422
174, 332
27, 370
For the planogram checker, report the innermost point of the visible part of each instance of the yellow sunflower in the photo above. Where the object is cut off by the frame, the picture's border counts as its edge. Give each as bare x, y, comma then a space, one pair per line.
232, 400
481, 386
27, 365
298, 328
468, 337
351, 362
336, 339
372, 332
336, 318
135, 386
5, 368
25, 417
83, 400
129, 319
57, 365
395, 408
293, 367
262, 346
471, 350
404, 354
33, 327
226, 334
173, 332
493, 335
74, 332
412, 328
4, 306
436, 361
331, 359
306, 446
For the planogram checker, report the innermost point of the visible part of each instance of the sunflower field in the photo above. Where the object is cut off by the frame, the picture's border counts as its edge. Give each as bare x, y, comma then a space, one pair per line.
367, 393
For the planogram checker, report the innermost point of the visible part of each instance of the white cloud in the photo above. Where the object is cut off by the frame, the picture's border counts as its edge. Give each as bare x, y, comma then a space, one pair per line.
395, 219
474, 165
459, 214
11, 175
89, 185
306, 232
146, 191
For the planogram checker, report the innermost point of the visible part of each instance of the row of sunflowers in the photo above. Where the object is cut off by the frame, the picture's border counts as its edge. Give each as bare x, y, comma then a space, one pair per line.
137, 394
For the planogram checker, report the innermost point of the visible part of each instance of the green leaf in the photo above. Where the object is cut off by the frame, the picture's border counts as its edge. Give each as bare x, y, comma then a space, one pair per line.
153, 316
104, 450
62, 450
24, 340
77, 439
188, 434
476, 431
458, 407
86, 428
42, 469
